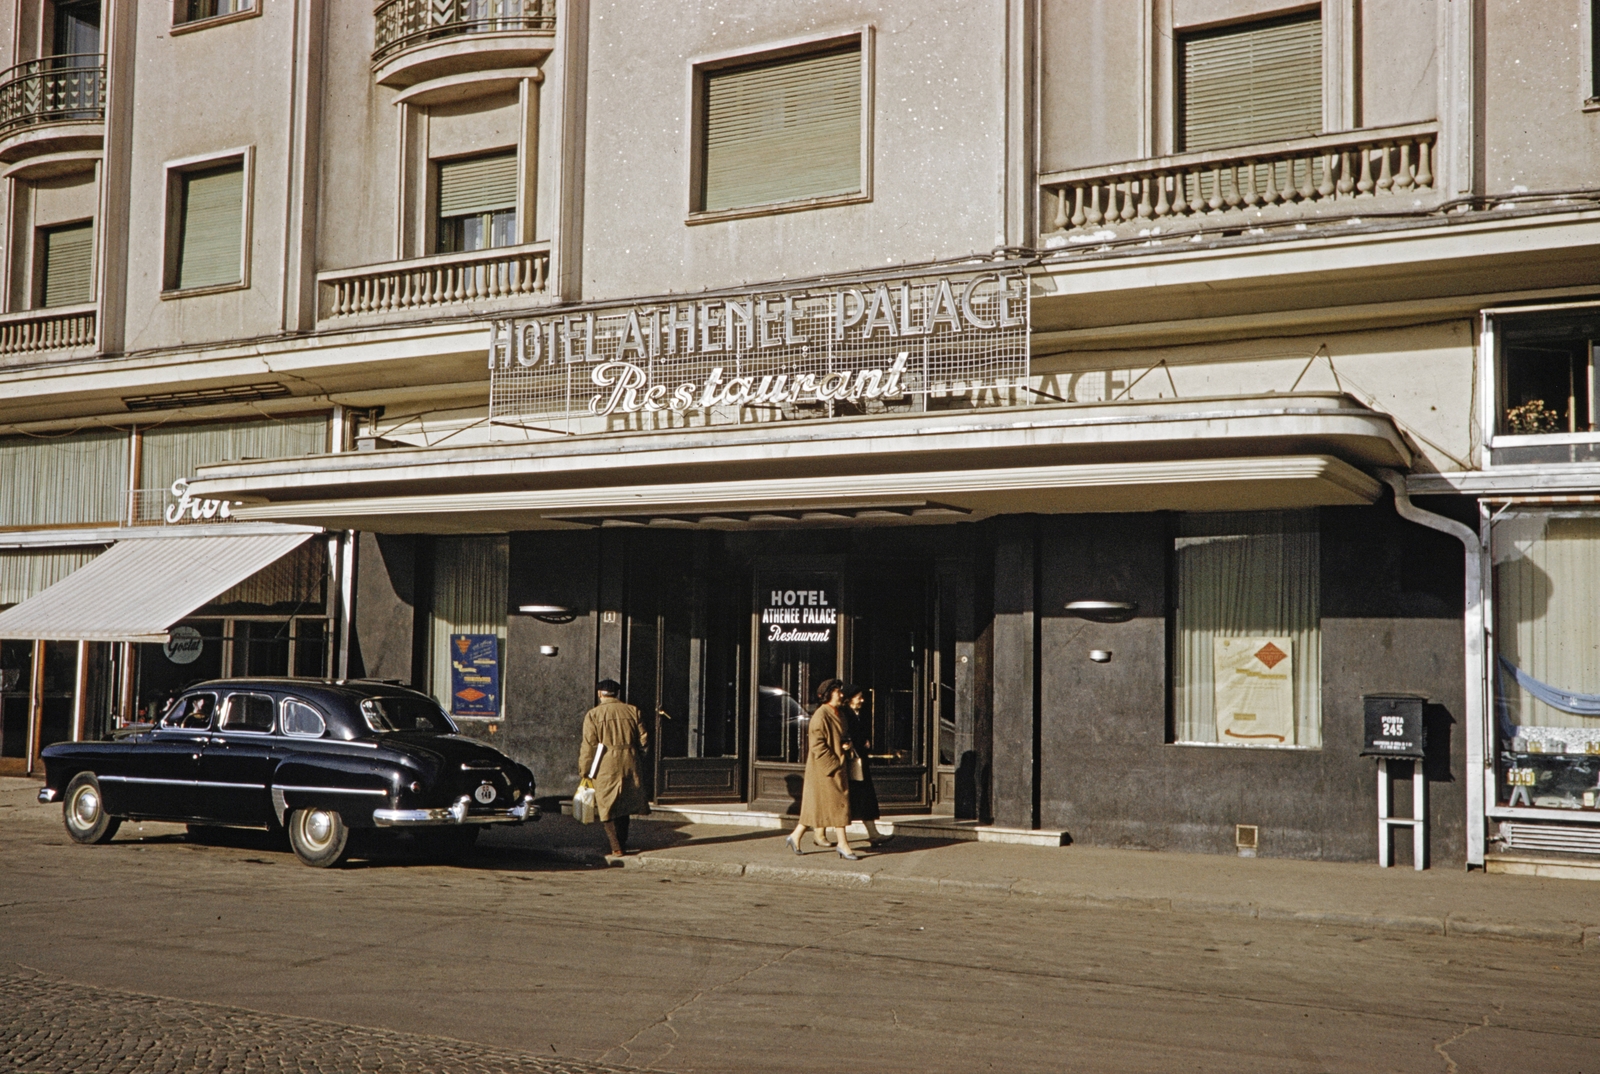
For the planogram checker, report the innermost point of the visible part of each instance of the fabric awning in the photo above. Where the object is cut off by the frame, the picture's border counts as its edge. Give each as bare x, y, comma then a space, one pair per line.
139, 587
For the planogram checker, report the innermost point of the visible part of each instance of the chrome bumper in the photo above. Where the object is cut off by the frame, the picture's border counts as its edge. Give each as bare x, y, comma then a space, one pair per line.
47, 795
457, 814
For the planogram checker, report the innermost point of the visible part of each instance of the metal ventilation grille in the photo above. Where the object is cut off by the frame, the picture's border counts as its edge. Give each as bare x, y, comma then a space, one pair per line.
232, 393
1564, 839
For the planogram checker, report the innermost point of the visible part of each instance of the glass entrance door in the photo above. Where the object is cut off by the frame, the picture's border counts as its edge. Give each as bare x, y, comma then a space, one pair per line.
798, 646
889, 658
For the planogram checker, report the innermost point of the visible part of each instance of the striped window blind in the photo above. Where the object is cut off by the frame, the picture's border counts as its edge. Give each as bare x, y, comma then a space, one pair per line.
1260, 82
66, 265
62, 481
169, 452
783, 130
212, 235
478, 185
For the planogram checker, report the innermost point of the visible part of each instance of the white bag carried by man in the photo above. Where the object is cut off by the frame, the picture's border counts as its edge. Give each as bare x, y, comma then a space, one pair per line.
584, 807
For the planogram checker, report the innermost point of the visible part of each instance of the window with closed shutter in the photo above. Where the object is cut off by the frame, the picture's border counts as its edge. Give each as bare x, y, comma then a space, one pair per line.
66, 265
1259, 82
477, 203
784, 130
211, 226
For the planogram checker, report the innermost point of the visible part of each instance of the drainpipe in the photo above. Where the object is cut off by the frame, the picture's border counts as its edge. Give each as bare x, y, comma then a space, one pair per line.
1473, 653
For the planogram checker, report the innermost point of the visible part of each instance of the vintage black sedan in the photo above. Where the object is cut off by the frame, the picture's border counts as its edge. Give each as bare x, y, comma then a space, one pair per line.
314, 757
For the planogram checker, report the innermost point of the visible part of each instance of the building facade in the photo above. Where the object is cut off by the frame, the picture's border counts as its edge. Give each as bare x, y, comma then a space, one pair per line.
1120, 392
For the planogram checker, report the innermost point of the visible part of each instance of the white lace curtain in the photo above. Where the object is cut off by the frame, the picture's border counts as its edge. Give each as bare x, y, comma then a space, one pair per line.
1244, 575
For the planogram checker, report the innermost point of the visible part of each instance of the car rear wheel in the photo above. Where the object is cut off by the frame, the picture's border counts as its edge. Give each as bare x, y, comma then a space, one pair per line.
319, 837
84, 811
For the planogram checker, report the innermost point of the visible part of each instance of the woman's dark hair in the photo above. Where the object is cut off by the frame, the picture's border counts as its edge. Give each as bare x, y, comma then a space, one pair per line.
852, 690
829, 686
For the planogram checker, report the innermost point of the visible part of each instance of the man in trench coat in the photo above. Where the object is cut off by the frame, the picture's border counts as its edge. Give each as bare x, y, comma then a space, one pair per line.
618, 786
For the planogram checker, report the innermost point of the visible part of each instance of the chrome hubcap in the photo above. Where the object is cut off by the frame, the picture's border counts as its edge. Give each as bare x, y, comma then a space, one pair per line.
318, 827
86, 807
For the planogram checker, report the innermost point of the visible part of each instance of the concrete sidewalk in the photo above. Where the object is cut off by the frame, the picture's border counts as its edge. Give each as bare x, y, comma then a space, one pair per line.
1440, 901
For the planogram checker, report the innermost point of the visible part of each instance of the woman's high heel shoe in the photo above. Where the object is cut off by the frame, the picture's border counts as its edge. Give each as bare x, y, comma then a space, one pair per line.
848, 855
789, 842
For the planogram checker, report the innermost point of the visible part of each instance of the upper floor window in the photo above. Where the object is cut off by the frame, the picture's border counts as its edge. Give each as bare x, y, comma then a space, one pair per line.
1249, 83
186, 11
477, 203
66, 265
75, 30
1546, 372
780, 130
206, 225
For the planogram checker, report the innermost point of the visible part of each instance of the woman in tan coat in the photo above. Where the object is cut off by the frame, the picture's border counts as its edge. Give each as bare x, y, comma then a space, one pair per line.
618, 787
825, 800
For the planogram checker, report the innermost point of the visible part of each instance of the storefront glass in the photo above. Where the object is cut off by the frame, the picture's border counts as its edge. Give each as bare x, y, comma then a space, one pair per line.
1547, 658
1247, 668
16, 687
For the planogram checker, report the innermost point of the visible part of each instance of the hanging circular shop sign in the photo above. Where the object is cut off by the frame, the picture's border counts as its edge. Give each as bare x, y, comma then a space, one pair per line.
183, 645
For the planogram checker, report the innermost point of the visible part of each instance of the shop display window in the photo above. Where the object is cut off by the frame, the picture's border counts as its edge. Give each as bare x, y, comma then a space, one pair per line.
1547, 658
1247, 660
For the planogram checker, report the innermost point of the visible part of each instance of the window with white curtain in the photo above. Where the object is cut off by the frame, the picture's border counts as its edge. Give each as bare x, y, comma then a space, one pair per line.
1247, 669
469, 597
1546, 579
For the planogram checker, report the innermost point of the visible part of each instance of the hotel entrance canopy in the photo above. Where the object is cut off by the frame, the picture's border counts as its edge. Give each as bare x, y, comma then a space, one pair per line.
1260, 453
139, 587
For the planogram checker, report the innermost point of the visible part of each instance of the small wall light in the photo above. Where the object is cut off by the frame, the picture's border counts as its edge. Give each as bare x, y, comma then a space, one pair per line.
1100, 656
549, 650
548, 613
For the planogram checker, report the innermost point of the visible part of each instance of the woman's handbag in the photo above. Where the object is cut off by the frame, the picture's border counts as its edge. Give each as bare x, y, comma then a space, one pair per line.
858, 771
585, 810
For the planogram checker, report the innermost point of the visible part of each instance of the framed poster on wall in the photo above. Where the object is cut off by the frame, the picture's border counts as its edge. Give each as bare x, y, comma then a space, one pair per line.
474, 675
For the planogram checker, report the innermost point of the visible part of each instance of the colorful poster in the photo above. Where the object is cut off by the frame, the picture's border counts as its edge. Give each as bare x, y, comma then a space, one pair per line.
474, 675
1254, 690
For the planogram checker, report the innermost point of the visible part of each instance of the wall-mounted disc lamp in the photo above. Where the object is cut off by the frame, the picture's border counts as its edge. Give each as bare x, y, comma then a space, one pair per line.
1103, 611
548, 613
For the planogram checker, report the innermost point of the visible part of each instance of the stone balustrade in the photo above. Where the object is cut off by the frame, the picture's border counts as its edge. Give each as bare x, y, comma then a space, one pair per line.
437, 286
65, 328
1330, 175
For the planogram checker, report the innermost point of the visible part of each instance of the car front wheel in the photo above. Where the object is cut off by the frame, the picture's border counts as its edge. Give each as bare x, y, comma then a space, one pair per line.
319, 837
84, 811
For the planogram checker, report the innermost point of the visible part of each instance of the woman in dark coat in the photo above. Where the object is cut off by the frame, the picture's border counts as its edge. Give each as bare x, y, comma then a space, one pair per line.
863, 795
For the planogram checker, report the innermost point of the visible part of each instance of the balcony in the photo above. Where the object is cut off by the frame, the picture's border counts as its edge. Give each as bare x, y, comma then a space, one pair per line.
1328, 177
62, 332
52, 105
448, 285
418, 40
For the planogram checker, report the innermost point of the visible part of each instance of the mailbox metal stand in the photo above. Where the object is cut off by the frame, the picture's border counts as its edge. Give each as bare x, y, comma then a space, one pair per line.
1394, 731
1417, 822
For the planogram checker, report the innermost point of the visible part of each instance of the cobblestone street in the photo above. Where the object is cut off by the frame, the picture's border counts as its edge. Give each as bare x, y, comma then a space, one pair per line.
51, 1026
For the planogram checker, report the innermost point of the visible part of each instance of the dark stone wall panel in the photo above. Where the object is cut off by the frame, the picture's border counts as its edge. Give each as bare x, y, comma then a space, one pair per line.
1110, 776
385, 598
546, 696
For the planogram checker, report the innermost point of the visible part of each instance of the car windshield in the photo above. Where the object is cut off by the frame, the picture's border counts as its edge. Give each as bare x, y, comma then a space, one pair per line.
404, 714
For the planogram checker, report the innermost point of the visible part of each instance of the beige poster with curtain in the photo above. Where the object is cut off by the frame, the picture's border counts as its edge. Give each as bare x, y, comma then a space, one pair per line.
1255, 690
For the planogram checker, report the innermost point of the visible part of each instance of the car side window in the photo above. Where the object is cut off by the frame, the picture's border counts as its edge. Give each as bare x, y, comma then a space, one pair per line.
301, 720
191, 712
248, 712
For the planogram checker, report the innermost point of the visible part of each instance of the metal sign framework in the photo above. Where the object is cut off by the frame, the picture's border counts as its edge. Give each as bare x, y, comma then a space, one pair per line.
934, 341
